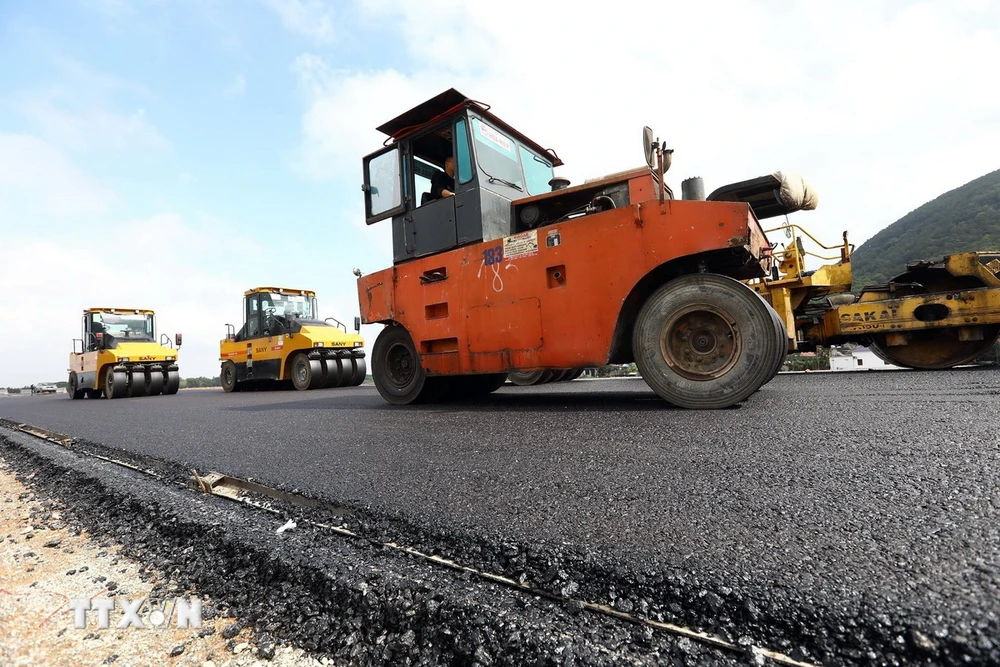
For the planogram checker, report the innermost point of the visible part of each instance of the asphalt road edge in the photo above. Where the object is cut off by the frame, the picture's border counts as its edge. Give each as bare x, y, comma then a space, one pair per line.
352, 602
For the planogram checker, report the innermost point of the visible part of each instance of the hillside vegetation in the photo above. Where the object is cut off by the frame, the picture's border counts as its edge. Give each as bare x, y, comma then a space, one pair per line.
964, 219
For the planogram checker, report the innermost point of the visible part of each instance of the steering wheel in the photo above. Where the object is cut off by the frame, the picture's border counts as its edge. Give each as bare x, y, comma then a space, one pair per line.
271, 321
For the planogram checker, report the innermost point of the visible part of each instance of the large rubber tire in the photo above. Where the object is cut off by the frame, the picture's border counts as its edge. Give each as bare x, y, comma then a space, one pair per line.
705, 341
155, 382
73, 387
574, 374
227, 376
115, 384
399, 377
333, 372
360, 371
548, 376
782, 335
137, 383
173, 382
347, 372
525, 378
306, 373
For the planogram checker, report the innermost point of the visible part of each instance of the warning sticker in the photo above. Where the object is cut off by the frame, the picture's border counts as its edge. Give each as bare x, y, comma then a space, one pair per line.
494, 136
520, 245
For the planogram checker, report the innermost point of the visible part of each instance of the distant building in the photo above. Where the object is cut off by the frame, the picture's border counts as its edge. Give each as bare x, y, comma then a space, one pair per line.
857, 359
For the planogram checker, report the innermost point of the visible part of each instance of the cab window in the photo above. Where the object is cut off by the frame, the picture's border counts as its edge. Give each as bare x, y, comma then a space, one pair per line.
463, 153
429, 153
253, 317
496, 154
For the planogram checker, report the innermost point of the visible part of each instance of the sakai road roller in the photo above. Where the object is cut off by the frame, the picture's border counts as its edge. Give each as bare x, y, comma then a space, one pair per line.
501, 267
119, 356
934, 316
283, 340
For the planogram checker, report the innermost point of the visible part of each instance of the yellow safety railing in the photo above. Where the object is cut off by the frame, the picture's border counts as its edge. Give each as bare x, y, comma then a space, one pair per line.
793, 257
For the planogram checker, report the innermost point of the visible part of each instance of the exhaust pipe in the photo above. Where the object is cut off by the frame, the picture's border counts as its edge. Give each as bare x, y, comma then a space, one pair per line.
693, 189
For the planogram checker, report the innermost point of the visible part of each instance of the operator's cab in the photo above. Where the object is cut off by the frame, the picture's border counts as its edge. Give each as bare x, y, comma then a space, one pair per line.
494, 165
277, 311
271, 311
104, 328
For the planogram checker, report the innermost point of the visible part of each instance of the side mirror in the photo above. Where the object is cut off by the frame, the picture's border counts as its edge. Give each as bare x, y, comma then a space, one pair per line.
649, 146
177, 340
357, 324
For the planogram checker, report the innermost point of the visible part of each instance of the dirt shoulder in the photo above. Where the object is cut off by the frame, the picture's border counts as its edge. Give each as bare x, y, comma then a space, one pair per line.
45, 563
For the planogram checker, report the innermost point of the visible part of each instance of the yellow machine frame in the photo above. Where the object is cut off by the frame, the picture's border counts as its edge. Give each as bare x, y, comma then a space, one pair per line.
119, 367
311, 355
936, 315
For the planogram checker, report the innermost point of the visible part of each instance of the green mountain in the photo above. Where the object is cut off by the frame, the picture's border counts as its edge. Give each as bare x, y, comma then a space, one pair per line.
964, 219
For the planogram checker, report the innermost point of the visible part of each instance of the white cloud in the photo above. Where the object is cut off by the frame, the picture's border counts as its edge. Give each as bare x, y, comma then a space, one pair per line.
37, 178
344, 109
312, 18
881, 107
83, 125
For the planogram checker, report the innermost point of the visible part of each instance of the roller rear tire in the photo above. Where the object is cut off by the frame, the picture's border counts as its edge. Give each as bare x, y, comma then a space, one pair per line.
706, 341
525, 378
227, 376
399, 377
73, 387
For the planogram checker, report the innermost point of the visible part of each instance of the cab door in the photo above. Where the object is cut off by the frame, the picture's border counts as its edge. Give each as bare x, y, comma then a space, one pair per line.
384, 189
252, 319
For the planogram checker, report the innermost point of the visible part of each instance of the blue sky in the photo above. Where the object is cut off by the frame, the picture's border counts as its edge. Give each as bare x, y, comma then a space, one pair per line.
204, 93
172, 154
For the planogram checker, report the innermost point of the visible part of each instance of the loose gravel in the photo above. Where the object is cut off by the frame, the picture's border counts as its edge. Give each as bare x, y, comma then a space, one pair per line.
344, 600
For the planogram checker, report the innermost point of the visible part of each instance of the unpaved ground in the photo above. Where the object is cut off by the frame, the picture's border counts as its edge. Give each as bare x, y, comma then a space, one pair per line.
44, 563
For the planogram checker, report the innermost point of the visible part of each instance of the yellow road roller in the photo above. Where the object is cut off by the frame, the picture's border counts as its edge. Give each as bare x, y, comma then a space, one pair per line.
283, 340
119, 356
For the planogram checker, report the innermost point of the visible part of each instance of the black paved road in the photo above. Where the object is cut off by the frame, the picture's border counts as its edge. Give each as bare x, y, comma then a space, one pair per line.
855, 504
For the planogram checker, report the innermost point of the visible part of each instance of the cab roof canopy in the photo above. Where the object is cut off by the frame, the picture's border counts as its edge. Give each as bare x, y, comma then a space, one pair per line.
279, 290
445, 104
119, 311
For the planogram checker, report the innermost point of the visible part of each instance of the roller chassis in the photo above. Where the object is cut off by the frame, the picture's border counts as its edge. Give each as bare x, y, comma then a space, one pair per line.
293, 350
127, 365
304, 367
508, 278
936, 315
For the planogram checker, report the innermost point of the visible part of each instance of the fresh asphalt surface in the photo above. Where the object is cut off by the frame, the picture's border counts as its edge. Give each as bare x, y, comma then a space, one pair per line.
871, 495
